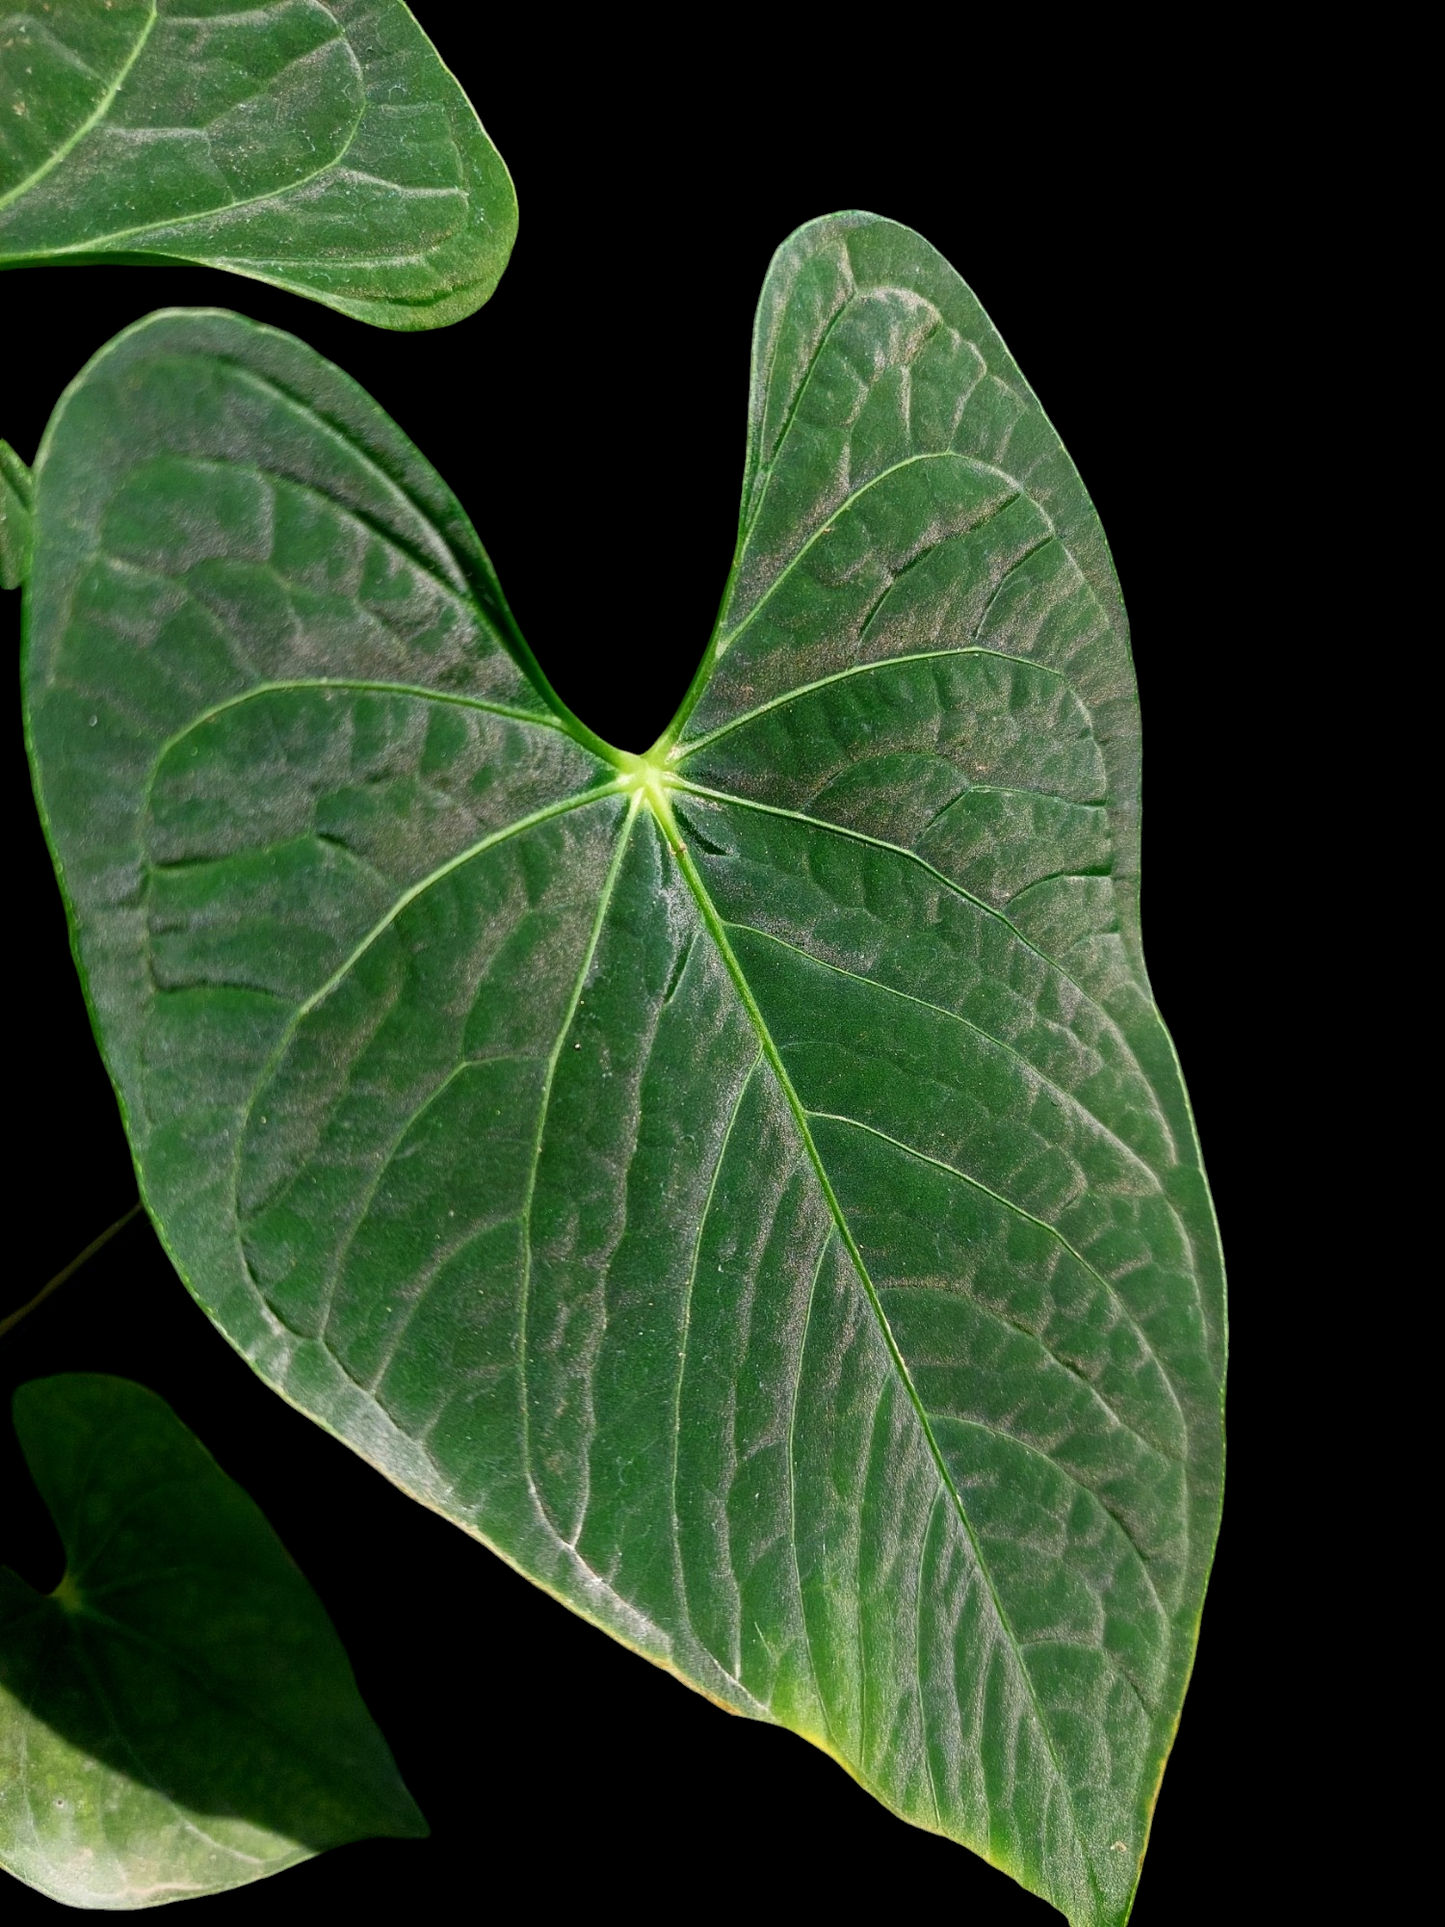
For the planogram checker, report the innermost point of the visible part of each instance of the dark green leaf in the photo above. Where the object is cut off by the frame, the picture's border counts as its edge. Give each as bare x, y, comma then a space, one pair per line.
317, 144
178, 1716
16, 484
748, 1185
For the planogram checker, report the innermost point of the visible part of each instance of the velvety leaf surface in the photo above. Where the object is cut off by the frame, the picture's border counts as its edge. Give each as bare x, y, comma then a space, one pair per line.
178, 1716
748, 1185
317, 144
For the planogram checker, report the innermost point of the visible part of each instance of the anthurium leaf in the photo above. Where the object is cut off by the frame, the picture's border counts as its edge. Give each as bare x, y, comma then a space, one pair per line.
748, 1184
317, 144
178, 1716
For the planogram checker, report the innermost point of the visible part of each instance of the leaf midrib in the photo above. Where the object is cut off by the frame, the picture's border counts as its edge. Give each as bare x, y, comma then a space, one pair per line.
899, 849
718, 931
977, 1184
1065, 1097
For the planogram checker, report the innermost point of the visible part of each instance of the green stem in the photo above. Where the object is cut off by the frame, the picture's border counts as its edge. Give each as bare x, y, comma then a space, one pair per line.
96, 1244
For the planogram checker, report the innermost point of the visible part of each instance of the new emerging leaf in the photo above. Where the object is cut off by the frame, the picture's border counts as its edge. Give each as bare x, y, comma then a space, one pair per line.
317, 144
749, 1184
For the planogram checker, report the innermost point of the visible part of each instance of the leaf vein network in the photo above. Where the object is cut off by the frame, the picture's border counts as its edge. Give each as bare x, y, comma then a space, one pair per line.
796, 400
851, 501
835, 1117
1066, 1097
351, 685
368, 1198
93, 242
687, 1298
378, 929
684, 750
912, 856
900, 1365
1137, 1552
524, 1292
98, 113
794, 1393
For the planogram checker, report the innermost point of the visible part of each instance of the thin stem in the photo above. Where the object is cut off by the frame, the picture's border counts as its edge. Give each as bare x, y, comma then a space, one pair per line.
96, 1244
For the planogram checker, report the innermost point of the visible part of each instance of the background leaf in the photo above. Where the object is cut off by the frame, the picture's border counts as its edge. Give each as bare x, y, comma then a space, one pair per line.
15, 497
317, 144
178, 1717
1072, 1591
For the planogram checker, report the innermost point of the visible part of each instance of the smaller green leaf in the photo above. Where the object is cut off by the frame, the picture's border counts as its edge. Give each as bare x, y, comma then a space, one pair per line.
320, 145
178, 1717
16, 495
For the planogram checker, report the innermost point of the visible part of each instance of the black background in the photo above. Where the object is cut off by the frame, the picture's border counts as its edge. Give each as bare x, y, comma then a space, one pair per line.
1100, 213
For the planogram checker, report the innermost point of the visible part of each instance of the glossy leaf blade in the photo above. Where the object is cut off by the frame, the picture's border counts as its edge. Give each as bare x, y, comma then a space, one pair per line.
178, 1717
317, 144
749, 1185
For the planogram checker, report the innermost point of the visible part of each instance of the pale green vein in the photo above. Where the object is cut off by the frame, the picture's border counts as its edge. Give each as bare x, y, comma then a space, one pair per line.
161, 230
1136, 1551
684, 750
1034, 548
368, 1198
1074, 1374
477, 583
1066, 1098
792, 1463
881, 600
912, 856
352, 685
770, 467
459, 575
594, 938
1112, 1291
687, 1296
801, 1115
377, 930
131, 1580
923, 1733
956, 889
214, 1689
851, 502
102, 108
429, 560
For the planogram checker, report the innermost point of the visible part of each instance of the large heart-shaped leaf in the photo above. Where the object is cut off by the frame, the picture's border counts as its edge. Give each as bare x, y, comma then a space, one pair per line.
748, 1184
317, 144
178, 1716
